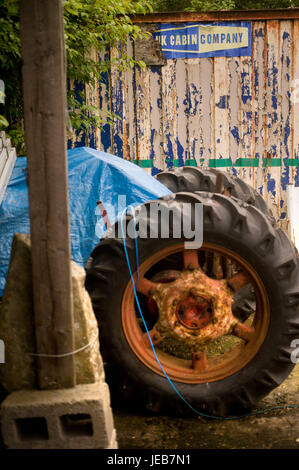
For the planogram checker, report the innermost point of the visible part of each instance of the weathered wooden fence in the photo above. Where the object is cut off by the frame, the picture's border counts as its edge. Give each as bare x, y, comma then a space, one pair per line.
7, 160
236, 113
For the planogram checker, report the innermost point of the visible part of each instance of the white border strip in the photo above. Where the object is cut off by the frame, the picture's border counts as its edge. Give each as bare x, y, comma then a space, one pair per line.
7, 161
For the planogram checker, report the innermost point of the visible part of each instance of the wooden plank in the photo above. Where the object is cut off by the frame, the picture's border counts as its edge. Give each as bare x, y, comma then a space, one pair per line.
206, 143
220, 15
286, 62
295, 100
221, 108
169, 112
7, 160
117, 101
193, 109
156, 139
130, 111
234, 110
92, 99
273, 113
45, 104
181, 118
142, 77
246, 127
105, 140
259, 103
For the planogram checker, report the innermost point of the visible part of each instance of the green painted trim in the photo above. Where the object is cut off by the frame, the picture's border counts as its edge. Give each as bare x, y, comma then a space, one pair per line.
227, 162
144, 163
271, 162
220, 162
247, 162
292, 162
193, 162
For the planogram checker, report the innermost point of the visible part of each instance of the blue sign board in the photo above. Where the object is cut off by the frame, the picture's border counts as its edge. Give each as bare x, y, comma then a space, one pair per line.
191, 40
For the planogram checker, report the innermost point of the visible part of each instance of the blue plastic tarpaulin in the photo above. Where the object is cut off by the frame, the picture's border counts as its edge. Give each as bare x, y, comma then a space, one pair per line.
92, 176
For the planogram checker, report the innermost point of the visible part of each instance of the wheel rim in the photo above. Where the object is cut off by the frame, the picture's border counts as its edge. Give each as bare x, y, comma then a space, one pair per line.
193, 321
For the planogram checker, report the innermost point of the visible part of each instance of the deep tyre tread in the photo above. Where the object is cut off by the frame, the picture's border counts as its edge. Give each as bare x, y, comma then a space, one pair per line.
193, 179
268, 251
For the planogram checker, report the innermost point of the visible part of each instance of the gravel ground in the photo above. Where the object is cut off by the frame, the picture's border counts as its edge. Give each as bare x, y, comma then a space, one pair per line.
274, 430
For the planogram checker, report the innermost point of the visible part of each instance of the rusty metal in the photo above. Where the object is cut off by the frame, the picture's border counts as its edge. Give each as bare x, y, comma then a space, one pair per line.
195, 309
238, 281
244, 332
161, 277
155, 337
199, 360
104, 214
184, 17
190, 259
198, 299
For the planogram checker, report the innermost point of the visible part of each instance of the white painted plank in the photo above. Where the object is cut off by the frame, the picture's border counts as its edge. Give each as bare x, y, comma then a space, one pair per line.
181, 111
206, 143
221, 119
273, 113
156, 137
169, 112
286, 61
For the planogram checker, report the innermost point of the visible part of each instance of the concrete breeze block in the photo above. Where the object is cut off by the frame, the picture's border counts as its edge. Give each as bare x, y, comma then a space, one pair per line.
76, 418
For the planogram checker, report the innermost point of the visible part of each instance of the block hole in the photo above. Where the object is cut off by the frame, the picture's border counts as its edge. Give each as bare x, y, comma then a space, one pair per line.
32, 429
77, 424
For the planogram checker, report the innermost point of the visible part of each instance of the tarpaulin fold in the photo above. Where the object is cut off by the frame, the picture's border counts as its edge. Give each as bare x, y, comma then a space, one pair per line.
92, 176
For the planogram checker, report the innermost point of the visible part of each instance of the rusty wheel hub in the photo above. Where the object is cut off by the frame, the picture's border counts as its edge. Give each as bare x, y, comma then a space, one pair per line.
194, 308
194, 312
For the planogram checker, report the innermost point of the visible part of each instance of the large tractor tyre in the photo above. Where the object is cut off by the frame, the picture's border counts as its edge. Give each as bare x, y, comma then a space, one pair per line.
218, 364
204, 179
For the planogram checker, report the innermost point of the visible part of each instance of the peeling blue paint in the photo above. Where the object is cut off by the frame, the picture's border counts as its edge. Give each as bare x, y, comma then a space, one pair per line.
156, 69
106, 137
155, 171
180, 151
245, 90
259, 33
223, 102
152, 154
271, 183
169, 156
118, 145
285, 176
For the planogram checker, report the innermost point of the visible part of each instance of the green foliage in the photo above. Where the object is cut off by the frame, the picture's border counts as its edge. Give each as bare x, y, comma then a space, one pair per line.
94, 25
89, 25
11, 107
214, 5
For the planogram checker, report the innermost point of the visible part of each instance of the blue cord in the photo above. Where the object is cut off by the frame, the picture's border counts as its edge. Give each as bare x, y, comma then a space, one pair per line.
228, 418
